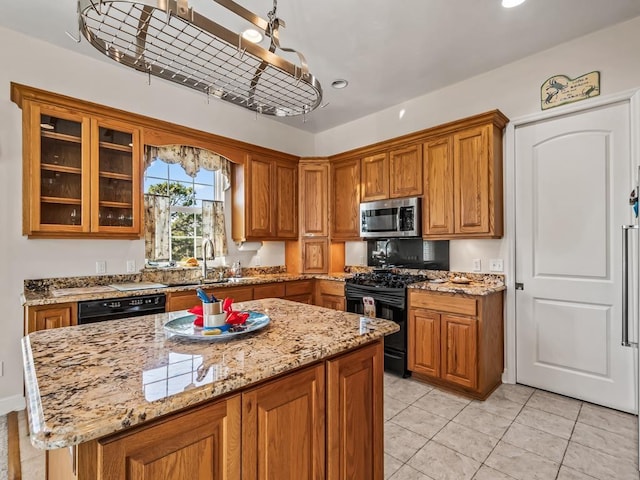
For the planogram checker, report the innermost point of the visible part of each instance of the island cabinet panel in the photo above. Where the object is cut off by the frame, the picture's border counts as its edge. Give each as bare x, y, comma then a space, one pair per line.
456, 340
375, 177
283, 428
355, 415
345, 200
43, 317
200, 444
405, 172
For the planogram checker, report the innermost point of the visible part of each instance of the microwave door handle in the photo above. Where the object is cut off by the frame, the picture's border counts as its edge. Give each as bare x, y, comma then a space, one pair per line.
398, 216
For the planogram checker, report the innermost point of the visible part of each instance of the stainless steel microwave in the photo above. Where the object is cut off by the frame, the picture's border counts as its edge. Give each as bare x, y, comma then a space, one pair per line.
399, 217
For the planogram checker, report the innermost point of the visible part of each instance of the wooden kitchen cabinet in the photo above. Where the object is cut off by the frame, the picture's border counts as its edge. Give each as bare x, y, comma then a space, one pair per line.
82, 173
456, 340
355, 415
314, 199
375, 177
463, 181
44, 317
315, 255
185, 299
265, 199
330, 294
345, 200
299, 291
283, 427
202, 443
269, 290
405, 172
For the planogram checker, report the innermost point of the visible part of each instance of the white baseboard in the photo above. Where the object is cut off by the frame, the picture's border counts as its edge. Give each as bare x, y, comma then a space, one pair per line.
13, 403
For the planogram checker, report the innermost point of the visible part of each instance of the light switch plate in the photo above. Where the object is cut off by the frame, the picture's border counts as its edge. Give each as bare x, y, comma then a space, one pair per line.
477, 265
1, 368
495, 265
101, 267
131, 266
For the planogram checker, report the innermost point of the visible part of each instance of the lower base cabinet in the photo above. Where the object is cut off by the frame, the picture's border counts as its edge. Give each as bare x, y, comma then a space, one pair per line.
330, 294
321, 422
456, 340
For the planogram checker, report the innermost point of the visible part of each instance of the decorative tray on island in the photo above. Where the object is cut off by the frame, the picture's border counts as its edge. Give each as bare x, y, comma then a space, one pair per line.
184, 327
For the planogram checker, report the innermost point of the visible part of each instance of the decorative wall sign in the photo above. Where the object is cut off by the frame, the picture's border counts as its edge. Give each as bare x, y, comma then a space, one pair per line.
560, 89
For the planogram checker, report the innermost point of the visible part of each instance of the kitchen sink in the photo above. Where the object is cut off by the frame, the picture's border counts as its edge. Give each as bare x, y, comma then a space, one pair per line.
198, 283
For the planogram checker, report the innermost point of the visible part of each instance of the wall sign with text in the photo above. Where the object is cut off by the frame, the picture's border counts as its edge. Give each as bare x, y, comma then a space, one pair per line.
560, 89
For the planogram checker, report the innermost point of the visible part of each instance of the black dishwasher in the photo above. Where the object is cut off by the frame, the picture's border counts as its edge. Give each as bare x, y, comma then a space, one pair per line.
114, 308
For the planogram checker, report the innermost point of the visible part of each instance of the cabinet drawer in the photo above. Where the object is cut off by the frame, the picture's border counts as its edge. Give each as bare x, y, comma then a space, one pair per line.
272, 290
331, 288
182, 300
298, 288
443, 302
239, 294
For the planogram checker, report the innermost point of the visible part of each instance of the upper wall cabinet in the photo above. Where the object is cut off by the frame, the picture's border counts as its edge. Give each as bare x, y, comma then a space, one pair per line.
345, 200
463, 183
265, 194
375, 177
314, 201
395, 174
81, 174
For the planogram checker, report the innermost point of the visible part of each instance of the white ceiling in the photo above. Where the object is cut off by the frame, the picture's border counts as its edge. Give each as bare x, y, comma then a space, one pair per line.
389, 51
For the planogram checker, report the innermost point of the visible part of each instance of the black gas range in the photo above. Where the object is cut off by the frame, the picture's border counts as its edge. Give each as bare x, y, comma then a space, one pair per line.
389, 292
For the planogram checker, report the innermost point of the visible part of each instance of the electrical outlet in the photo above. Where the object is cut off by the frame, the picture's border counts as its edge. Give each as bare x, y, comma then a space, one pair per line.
495, 265
1, 369
131, 266
257, 260
101, 267
477, 265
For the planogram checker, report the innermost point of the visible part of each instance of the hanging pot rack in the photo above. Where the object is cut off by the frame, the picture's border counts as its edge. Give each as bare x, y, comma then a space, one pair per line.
168, 39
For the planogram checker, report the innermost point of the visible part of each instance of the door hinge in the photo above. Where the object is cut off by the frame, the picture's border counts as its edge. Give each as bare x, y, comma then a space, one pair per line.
519, 286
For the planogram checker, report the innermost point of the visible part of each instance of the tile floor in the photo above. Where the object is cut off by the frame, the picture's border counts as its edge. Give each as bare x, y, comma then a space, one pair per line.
517, 433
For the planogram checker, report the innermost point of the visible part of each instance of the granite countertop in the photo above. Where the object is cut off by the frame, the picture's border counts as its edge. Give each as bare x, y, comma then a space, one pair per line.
479, 284
90, 292
89, 381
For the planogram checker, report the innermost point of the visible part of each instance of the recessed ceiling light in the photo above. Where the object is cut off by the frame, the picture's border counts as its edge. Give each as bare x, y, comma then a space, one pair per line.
252, 35
340, 83
511, 3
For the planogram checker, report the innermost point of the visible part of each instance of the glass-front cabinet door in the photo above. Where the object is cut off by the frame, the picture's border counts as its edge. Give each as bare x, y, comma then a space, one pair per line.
83, 175
59, 175
116, 178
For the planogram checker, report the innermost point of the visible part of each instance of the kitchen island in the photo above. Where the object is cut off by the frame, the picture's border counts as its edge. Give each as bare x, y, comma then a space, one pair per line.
301, 398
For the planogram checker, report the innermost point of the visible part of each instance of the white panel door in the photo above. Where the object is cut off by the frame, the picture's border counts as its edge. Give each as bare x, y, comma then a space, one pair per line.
573, 178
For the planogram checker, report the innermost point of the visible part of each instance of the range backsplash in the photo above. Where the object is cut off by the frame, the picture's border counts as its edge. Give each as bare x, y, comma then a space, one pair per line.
408, 253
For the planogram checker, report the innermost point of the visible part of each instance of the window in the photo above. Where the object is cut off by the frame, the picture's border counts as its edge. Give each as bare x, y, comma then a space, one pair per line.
185, 197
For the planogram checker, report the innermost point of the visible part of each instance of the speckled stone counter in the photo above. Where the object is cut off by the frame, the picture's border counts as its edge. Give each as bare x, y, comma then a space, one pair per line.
478, 285
92, 380
45, 294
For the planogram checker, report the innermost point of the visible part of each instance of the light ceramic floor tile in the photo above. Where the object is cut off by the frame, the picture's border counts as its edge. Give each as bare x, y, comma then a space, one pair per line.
567, 473
419, 421
488, 473
442, 403
391, 465
547, 422
500, 406
34, 468
390, 379
516, 393
607, 442
466, 441
401, 443
598, 464
611, 420
521, 464
408, 391
408, 473
556, 404
392, 407
536, 441
482, 421
442, 463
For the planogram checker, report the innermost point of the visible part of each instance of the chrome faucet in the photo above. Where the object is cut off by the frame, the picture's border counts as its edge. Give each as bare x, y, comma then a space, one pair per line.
206, 242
